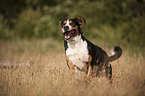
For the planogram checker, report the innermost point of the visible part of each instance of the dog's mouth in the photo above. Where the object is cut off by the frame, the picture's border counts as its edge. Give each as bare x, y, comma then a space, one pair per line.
69, 34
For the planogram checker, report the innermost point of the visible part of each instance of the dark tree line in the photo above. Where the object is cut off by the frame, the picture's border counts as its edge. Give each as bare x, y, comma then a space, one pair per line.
123, 19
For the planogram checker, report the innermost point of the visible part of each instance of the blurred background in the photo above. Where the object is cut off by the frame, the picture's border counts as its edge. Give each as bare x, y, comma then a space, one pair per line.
32, 60
108, 22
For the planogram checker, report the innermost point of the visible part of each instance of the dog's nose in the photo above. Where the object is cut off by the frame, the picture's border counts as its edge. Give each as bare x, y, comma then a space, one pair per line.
66, 28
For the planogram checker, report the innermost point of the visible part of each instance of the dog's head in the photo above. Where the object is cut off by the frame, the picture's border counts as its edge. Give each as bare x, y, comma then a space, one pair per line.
71, 27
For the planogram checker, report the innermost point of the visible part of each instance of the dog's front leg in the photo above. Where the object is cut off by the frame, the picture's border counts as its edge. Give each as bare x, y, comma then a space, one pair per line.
70, 65
89, 69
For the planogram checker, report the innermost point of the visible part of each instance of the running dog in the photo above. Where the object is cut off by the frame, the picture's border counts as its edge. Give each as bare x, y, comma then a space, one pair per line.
82, 55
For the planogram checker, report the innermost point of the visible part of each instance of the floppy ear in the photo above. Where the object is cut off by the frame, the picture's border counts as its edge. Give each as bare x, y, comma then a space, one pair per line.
60, 21
80, 20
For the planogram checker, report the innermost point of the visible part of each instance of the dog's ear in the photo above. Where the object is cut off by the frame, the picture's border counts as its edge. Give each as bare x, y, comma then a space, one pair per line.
60, 21
80, 20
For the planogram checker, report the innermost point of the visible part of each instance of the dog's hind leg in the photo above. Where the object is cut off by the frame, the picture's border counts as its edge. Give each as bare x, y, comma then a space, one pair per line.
109, 71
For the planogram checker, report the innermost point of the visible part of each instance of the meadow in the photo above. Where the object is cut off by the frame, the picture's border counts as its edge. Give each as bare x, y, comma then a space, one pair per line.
38, 68
32, 60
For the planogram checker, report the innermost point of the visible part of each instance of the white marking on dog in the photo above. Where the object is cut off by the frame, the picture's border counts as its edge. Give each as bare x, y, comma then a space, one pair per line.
77, 52
77, 74
67, 24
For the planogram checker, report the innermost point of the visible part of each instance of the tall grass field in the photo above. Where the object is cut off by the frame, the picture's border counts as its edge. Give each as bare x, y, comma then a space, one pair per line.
38, 68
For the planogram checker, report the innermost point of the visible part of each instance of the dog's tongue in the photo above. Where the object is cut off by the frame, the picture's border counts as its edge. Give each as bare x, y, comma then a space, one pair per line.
68, 34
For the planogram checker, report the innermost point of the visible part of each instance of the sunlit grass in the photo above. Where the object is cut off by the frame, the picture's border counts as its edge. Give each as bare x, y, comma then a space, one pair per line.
46, 74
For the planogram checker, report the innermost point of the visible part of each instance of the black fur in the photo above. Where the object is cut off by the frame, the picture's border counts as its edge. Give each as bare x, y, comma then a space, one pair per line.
100, 60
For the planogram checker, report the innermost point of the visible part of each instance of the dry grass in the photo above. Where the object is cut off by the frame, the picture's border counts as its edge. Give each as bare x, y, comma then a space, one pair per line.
48, 75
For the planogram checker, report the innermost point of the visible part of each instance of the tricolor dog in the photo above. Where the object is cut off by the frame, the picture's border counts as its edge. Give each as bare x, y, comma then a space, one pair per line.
82, 55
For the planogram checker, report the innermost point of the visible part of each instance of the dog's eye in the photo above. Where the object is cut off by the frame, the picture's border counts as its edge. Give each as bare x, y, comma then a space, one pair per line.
63, 24
71, 24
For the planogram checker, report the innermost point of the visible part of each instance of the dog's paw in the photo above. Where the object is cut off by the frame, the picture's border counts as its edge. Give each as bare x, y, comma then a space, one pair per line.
73, 72
87, 80
77, 74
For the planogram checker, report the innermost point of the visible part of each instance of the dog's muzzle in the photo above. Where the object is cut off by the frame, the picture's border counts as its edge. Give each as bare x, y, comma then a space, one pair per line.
68, 34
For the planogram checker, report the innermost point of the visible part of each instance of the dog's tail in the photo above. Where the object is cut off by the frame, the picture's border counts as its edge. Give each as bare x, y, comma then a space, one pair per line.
116, 53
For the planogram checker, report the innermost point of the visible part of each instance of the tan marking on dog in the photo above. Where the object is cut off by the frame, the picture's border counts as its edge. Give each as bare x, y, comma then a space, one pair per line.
70, 21
64, 22
89, 69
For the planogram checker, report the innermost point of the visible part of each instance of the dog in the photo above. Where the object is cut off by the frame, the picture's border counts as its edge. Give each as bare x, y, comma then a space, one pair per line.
82, 55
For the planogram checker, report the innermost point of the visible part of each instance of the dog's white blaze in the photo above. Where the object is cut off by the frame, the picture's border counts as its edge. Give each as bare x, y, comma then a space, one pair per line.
77, 52
67, 24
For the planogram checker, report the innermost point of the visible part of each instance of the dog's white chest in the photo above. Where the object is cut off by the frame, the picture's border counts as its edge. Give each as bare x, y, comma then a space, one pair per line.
77, 53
